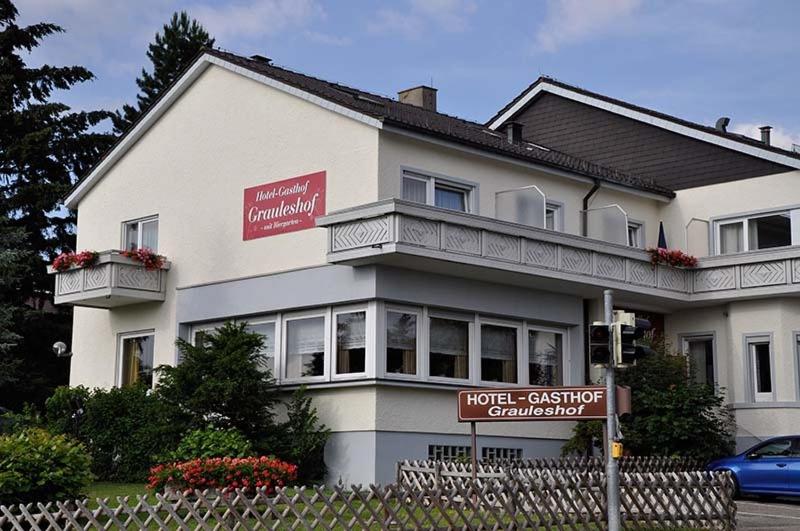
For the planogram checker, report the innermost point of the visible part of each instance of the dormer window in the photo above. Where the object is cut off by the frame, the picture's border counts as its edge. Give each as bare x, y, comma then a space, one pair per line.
141, 233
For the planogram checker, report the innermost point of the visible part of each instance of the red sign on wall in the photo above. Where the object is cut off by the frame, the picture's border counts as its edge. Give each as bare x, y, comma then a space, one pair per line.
283, 206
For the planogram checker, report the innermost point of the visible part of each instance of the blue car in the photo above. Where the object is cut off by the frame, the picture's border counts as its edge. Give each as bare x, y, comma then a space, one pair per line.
768, 468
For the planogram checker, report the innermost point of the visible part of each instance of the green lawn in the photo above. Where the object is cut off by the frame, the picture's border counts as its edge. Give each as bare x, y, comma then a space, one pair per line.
105, 489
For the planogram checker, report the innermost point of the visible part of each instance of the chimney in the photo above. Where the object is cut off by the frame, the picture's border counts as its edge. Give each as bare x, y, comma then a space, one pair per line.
514, 132
722, 124
421, 96
261, 59
765, 134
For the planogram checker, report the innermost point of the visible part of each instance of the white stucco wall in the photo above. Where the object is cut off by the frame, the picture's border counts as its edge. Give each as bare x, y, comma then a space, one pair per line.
225, 133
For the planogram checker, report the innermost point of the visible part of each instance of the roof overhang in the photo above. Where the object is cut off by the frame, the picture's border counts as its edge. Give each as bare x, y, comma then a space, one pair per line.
545, 86
152, 115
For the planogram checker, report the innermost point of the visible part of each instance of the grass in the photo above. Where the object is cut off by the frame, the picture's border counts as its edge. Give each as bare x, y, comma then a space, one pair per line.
106, 489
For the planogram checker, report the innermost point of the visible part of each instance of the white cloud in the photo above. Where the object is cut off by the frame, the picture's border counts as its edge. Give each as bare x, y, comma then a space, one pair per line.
779, 136
254, 18
327, 39
451, 16
573, 21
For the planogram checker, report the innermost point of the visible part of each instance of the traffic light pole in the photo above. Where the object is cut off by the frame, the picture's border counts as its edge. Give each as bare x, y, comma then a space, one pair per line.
612, 466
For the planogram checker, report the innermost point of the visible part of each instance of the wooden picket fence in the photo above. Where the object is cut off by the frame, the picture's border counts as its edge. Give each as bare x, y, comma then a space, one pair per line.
533, 497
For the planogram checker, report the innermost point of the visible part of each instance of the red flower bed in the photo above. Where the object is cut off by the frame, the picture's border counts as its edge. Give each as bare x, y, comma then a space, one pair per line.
246, 473
147, 257
671, 257
68, 259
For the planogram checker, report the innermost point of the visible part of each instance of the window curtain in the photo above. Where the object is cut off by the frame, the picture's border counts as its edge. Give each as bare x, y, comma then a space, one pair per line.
546, 358
452, 199
415, 190
500, 343
150, 235
137, 360
451, 338
730, 238
699, 353
132, 236
267, 352
305, 347
401, 335
351, 333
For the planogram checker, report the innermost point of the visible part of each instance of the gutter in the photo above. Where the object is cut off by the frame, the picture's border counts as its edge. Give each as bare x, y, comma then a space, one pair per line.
593, 190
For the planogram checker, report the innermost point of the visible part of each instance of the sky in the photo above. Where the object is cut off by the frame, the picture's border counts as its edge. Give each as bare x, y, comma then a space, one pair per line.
696, 59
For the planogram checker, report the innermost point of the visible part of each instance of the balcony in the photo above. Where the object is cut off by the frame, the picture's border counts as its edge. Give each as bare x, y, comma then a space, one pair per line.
410, 235
113, 281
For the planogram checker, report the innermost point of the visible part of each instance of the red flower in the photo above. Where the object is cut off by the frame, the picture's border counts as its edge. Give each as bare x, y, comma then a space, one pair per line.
146, 257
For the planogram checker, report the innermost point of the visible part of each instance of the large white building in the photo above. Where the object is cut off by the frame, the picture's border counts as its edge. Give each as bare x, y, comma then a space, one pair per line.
391, 254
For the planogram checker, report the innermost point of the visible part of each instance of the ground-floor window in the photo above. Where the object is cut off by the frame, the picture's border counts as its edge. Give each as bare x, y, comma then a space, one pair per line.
545, 358
498, 353
759, 365
449, 348
699, 352
351, 342
401, 342
267, 353
305, 347
136, 359
493, 453
446, 452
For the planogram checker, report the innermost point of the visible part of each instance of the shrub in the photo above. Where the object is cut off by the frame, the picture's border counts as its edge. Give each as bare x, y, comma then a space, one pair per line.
211, 442
65, 409
248, 473
36, 466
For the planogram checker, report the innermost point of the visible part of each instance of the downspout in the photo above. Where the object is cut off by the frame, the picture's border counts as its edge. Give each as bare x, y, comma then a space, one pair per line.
584, 218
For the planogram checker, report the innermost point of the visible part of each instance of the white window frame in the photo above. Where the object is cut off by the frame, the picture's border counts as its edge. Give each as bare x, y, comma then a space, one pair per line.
471, 348
139, 222
750, 340
743, 220
121, 340
421, 320
638, 230
369, 342
557, 208
700, 336
470, 189
565, 352
518, 327
325, 313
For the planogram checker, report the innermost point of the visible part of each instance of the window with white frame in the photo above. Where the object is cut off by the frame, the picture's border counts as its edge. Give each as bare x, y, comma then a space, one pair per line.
501, 454
699, 352
401, 342
305, 347
437, 191
759, 359
498, 353
758, 231
448, 452
449, 348
553, 216
545, 357
351, 342
136, 359
266, 330
635, 234
141, 234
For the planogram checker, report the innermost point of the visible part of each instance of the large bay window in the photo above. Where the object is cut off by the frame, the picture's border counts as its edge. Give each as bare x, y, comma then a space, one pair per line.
351, 342
136, 359
401, 342
449, 348
437, 191
757, 231
305, 347
545, 358
498, 353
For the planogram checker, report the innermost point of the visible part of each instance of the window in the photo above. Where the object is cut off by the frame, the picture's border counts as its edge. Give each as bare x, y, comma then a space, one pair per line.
401, 342
445, 452
267, 352
437, 191
760, 367
136, 359
305, 347
351, 342
779, 448
553, 216
765, 231
545, 358
498, 353
635, 234
699, 351
140, 234
501, 454
449, 348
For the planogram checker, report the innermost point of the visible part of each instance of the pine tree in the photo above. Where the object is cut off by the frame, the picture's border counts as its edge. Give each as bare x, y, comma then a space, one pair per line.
170, 53
44, 145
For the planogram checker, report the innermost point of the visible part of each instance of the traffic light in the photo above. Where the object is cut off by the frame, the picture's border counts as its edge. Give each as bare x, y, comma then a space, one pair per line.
627, 330
599, 344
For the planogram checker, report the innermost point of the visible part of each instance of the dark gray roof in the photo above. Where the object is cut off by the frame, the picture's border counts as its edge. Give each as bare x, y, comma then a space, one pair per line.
431, 123
650, 112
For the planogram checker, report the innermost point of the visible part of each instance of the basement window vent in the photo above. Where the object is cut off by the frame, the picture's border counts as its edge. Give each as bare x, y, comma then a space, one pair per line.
495, 454
446, 452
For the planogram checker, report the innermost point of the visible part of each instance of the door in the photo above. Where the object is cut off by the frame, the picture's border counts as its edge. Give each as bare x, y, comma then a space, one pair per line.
766, 468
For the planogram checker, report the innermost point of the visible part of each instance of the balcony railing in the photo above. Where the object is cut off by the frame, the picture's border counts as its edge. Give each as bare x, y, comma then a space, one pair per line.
113, 281
385, 231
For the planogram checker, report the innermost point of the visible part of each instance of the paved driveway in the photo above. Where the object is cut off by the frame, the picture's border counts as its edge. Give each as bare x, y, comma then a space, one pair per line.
768, 515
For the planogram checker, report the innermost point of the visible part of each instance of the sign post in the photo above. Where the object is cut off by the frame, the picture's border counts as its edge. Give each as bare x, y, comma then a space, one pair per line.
474, 454
612, 466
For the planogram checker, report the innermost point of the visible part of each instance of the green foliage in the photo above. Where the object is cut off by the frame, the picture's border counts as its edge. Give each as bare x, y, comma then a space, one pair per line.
36, 466
586, 436
11, 422
302, 438
170, 53
125, 429
220, 382
211, 442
